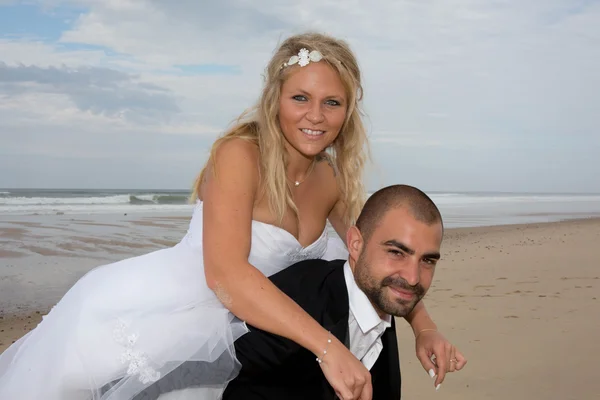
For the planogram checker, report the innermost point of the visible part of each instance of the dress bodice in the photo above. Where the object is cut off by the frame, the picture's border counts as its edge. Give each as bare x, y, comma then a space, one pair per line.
272, 248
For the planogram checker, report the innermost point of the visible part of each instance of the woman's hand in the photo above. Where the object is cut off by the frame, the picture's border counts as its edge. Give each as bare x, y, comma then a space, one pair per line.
350, 379
437, 355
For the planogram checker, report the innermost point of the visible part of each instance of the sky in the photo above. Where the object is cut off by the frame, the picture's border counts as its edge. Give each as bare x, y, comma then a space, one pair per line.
460, 95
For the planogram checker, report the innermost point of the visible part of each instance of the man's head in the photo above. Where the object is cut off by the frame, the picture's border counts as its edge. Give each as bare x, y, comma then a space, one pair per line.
394, 248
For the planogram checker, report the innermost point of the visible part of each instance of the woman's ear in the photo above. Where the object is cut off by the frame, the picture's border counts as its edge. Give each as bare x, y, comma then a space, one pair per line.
354, 242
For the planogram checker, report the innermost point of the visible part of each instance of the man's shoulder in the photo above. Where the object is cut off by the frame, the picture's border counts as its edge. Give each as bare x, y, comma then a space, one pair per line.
318, 287
313, 270
310, 282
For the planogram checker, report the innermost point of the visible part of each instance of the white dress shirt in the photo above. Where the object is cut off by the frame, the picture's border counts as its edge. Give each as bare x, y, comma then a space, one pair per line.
365, 327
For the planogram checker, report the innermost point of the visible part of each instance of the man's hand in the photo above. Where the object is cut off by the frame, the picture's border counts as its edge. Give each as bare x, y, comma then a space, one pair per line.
437, 355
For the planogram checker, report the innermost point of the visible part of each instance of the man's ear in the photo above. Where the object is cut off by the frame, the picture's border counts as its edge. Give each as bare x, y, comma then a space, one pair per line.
354, 242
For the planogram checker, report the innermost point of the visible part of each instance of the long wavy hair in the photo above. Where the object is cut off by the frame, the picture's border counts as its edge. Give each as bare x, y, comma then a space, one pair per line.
260, 125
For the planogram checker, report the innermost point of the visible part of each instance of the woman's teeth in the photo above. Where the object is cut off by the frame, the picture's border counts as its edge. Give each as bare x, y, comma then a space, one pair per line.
312, 133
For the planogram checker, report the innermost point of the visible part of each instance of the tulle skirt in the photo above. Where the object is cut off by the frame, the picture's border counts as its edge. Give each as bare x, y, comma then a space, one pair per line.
122, 327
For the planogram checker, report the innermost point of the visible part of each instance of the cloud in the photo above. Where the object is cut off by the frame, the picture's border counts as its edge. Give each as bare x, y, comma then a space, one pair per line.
505, 83
156, 33
98, 90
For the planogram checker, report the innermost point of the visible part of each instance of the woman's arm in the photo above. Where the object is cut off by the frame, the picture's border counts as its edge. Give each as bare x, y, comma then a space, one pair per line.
228, 197
419, 319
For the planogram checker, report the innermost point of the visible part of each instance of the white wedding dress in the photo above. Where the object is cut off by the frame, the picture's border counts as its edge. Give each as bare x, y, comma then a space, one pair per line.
129, 323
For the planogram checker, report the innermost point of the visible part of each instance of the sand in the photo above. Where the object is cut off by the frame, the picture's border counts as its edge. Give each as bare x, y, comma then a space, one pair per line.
522, 302
41, 256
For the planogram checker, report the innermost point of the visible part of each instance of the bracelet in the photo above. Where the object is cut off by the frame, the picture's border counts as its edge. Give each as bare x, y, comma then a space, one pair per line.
320, 359
424, 330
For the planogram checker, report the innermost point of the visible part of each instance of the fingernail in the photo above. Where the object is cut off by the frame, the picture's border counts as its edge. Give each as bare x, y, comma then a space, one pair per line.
438, 387
432, 373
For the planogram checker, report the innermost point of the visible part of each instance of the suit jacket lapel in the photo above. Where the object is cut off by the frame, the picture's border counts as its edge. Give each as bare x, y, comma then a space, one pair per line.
385, 373
335, 313
337, 308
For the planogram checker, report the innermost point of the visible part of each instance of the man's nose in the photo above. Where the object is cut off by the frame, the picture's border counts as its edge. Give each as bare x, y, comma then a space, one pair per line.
411, 272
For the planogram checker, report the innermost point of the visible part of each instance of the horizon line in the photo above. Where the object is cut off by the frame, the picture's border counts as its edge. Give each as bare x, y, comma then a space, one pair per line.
368, 191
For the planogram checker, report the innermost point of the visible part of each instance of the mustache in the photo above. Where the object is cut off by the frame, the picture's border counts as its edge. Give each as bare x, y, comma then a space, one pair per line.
400, 283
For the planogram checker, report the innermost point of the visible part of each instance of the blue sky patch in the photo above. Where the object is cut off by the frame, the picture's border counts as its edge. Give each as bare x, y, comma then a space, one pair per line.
33, 21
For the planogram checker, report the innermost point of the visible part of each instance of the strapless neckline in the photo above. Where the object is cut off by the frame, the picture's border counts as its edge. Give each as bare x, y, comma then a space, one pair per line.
200, 204
287, 233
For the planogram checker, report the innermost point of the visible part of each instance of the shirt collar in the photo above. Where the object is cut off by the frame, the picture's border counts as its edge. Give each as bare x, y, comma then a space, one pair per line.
361, 307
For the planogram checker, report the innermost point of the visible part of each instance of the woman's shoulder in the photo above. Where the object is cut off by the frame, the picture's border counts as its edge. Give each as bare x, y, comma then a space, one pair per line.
326, 171
234, 160
238, 147
237, 153
326, 168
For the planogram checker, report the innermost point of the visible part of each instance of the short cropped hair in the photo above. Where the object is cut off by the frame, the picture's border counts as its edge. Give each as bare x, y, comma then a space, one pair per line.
421, 207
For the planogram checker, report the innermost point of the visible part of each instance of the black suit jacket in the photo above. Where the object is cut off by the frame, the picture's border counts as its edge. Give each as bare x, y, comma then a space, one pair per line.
273, 367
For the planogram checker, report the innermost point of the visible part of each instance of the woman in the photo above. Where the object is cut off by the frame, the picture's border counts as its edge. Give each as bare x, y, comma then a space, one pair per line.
264, 198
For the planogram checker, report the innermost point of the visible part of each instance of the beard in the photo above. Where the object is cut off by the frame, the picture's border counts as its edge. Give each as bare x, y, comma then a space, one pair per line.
379, 292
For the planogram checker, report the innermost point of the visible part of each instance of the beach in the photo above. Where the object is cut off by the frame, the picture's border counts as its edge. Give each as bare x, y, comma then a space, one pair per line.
521, 301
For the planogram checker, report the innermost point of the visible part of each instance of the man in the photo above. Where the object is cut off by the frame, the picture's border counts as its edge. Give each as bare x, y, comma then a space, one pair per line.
393, 250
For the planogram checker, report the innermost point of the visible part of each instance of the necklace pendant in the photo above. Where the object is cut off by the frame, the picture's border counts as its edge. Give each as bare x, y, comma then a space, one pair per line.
297, 183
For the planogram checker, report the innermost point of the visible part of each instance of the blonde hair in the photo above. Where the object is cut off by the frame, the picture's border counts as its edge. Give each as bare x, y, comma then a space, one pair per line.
260, 125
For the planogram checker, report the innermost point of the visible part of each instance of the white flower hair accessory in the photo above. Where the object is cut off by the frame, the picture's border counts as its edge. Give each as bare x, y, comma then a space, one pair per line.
304, 58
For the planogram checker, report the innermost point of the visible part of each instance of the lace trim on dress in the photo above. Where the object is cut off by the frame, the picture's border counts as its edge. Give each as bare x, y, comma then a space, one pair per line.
138, 361
315, 250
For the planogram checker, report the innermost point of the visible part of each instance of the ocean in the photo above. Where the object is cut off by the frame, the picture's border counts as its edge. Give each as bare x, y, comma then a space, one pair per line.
91, 201
459, 209
49, 238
